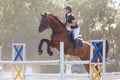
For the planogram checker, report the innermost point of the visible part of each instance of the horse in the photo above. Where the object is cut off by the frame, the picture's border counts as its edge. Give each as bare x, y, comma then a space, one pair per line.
60, 34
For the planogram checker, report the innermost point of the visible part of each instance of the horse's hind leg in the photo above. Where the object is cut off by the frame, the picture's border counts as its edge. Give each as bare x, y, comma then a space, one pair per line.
87, 67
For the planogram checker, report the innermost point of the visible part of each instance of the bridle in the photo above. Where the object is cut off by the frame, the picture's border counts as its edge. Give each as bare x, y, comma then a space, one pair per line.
46, 21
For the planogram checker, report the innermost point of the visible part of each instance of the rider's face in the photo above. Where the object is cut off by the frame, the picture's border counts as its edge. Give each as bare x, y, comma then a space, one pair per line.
66, 11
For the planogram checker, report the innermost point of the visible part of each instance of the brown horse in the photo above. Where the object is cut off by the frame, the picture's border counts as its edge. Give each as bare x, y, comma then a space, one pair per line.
60, 33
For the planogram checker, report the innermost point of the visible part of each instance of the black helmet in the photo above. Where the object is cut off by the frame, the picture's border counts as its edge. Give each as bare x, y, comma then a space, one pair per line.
69, 8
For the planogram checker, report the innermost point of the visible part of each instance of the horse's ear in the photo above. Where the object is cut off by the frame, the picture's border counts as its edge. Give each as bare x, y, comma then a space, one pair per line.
45, 13
41, 14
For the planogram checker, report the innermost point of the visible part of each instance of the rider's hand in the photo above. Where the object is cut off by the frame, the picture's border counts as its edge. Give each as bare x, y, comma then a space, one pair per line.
66, 23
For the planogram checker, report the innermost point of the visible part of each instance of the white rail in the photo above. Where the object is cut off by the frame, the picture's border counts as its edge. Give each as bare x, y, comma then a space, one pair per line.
58, 75
61, 62
52, 62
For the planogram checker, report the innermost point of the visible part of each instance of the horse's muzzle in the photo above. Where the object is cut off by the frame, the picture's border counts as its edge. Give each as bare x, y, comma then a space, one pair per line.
41, 29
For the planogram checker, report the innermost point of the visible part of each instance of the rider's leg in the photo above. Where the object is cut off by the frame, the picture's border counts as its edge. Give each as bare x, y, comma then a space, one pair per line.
76, 33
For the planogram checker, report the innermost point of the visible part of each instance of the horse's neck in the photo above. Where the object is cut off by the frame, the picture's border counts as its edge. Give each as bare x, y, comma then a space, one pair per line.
57, 26
60, 30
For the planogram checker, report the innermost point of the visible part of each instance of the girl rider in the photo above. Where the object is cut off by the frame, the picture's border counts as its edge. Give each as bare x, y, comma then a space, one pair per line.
70, 21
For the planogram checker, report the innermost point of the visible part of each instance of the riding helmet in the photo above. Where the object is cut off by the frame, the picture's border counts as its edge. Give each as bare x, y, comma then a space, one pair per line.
69, 8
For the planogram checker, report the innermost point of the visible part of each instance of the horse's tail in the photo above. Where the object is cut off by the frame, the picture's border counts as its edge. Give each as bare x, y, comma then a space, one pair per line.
107, 46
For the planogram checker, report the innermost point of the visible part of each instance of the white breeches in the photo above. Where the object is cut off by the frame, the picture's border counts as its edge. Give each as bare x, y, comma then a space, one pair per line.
76, 32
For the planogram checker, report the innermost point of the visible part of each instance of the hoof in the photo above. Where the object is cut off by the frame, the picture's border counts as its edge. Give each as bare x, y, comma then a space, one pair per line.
50, 53
40, 52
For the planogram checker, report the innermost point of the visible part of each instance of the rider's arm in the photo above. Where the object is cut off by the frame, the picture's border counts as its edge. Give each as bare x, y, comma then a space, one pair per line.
73, 23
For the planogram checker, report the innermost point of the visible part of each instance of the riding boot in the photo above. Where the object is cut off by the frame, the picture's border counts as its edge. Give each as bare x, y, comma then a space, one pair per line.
75, 44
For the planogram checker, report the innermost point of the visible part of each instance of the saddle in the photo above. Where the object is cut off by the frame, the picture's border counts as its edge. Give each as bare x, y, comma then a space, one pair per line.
71, 38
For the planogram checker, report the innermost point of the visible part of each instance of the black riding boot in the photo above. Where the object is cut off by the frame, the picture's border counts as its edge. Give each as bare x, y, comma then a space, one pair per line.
75, 45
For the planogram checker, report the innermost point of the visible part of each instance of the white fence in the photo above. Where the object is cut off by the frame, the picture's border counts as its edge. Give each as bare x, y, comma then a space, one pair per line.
61, 62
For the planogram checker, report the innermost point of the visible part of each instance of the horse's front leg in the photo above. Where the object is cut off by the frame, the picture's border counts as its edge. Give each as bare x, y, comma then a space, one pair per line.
49, 49
40, 51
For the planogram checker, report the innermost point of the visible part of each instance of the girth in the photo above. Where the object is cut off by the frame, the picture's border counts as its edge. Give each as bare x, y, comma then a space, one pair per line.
67, 48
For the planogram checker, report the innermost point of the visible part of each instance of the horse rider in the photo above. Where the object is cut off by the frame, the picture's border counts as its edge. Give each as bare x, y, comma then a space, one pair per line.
70, 21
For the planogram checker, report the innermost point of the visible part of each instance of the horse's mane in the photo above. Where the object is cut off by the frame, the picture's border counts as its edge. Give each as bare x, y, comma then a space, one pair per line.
58, 20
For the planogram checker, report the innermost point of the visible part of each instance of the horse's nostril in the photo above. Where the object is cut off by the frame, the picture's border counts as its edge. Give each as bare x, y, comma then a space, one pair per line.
39, 30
